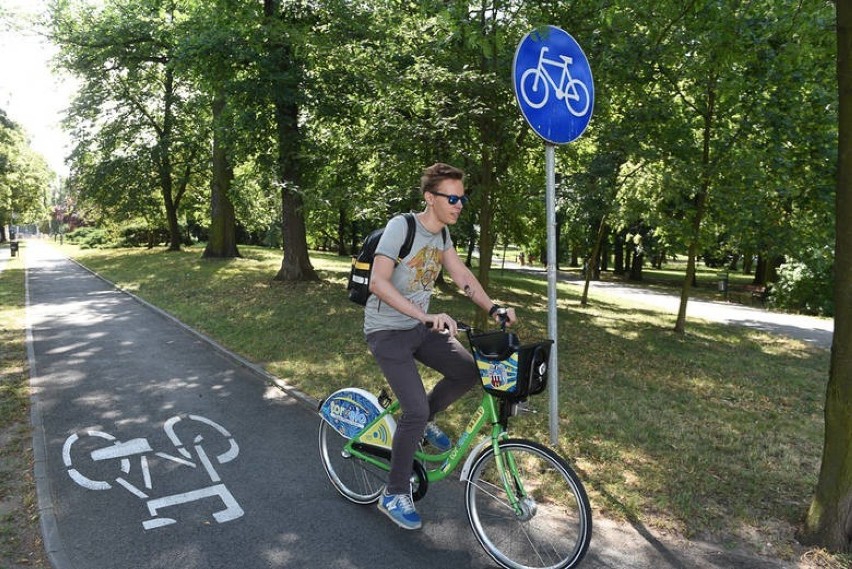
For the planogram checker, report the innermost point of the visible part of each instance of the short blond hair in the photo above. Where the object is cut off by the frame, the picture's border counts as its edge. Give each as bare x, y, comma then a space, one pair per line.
437, 173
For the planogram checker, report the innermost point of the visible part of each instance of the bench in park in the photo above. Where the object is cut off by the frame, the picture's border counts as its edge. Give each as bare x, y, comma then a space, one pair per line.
757, 292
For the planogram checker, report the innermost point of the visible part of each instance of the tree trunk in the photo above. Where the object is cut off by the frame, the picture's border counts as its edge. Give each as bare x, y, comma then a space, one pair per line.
698, 214
486, 217
636, 267
341, 232
829, 520
591, 271
222, 241
618, 254
164, 162
296, 263
761, 269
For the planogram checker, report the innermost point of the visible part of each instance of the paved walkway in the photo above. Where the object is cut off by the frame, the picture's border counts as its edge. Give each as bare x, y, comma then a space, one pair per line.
155, 448
810, 329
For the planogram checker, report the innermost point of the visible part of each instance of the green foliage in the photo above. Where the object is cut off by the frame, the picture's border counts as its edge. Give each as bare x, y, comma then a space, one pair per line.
383, 88
141, 128
89, 237
806, 285
139, 235
25, 178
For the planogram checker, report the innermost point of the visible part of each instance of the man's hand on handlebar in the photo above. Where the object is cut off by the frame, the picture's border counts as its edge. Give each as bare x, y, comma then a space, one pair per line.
505, 316
441, 322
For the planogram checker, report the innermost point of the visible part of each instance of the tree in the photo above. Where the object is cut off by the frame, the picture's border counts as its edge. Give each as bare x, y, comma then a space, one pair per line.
25, 178
222, 240
133, 112
829, 520
212, 51
284, 80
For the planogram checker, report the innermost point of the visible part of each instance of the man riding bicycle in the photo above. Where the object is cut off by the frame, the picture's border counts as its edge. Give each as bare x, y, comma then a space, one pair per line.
396, 326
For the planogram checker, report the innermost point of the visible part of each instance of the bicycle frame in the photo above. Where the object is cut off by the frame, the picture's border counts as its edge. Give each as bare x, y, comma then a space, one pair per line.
565, 80
490, 411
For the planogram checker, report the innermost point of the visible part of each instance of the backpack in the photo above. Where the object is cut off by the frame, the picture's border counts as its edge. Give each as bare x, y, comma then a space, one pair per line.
362, 264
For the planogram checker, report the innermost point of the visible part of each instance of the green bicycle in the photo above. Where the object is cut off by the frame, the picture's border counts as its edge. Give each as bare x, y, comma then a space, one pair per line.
525, 504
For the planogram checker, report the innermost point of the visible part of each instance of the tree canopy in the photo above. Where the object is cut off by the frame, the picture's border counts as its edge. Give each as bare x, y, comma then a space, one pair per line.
712, 135
25, 178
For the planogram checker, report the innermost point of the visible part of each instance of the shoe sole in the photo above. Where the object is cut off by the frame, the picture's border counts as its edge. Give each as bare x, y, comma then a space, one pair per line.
397, 522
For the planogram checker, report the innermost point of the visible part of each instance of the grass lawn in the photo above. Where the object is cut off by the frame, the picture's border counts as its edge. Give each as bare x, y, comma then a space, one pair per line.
20, 535
713, 435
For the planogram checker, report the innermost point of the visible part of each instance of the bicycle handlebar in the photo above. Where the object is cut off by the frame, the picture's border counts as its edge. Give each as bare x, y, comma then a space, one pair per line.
459, 324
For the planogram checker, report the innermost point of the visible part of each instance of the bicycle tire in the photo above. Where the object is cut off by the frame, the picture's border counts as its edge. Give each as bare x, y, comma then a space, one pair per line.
356, 480
538, 101
77, 451
555, 527
582, 96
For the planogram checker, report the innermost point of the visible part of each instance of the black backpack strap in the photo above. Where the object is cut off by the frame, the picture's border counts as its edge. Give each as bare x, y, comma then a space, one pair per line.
409, 236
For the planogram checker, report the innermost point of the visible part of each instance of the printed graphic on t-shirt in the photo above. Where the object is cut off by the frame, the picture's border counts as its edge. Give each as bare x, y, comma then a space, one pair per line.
425, 266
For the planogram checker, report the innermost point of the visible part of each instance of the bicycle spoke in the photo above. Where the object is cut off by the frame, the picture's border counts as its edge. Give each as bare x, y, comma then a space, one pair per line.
484, 487
355, 479
551, 526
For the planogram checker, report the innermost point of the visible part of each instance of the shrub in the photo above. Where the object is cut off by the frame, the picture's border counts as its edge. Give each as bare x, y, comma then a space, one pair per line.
89, 237
137, 235
806, 285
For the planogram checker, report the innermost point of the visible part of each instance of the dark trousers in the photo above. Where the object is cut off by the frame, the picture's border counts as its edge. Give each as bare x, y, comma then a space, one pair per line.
396, 352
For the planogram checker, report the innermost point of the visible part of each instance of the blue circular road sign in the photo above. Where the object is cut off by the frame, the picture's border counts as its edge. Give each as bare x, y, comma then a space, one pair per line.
553, 84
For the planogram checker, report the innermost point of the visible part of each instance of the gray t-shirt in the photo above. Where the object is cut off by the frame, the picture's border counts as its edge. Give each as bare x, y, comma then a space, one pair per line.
414, 276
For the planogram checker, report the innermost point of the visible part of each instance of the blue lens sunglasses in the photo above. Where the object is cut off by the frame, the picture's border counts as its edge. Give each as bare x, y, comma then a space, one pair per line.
453, 200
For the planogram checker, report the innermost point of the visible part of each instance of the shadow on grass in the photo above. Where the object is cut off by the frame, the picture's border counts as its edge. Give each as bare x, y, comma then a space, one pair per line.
715, 432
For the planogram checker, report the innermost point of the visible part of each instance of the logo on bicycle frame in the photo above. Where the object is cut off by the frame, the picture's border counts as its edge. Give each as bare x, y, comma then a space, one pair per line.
553, 84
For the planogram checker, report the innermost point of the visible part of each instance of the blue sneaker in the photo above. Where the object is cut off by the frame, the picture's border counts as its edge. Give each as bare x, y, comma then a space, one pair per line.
400, 509
437, 438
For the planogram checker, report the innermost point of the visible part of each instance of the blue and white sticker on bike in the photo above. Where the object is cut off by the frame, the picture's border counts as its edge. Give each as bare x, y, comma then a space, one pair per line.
350, 410
499, 375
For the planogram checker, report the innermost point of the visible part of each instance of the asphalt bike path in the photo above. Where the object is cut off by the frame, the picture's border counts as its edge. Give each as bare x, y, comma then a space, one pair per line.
157, 448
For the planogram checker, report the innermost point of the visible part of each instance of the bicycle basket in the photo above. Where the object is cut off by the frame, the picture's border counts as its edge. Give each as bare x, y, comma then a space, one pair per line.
508, 369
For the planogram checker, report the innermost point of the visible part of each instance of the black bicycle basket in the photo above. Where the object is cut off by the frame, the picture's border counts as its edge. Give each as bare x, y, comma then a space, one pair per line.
509, 369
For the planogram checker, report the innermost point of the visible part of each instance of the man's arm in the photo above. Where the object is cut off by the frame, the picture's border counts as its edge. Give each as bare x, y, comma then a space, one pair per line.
465, 280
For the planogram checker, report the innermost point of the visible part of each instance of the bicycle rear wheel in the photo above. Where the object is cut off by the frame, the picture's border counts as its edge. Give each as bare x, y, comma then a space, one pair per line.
355, 479
553, 526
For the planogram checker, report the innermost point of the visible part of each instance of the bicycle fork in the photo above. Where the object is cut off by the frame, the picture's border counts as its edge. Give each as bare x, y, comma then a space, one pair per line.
517, 497
523, 507
521, 503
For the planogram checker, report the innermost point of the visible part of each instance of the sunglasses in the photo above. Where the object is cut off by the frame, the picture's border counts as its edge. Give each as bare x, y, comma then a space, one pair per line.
453, 200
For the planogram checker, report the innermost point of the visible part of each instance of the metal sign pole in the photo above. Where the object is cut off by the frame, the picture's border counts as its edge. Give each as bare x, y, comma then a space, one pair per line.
558, 115
553, 375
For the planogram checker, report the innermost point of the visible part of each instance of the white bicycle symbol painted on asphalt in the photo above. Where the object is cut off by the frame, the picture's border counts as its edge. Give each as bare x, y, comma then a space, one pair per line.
122, 452
537, 81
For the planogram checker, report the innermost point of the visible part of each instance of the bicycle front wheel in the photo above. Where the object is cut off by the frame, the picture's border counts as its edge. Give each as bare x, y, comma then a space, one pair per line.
356, 480
551, 526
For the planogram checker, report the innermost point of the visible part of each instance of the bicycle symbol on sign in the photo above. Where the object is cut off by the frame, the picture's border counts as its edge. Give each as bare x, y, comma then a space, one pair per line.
99, 449
537, 81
